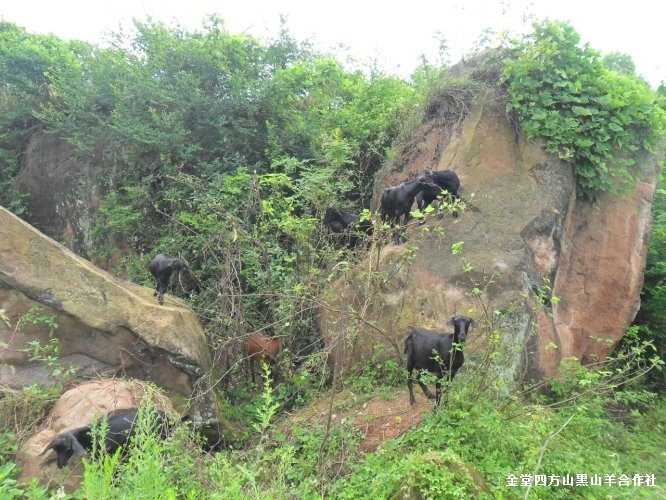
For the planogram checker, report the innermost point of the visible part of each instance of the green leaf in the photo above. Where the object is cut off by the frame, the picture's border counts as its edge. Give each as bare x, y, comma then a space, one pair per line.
581, 111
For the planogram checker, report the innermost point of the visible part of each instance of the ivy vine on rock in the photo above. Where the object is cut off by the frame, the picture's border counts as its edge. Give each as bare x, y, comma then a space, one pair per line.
595, 118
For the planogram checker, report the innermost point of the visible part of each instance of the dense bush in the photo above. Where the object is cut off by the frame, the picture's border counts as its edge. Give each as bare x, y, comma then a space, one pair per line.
651, 318
595, 118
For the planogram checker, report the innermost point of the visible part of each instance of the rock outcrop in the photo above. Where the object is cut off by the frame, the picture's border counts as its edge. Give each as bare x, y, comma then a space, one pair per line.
60, 196
104, 325
527, 237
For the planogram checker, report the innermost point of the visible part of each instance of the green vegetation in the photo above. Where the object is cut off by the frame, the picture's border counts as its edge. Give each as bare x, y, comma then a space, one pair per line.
597, 119
471, 447
650, 323
225, 150
471, 450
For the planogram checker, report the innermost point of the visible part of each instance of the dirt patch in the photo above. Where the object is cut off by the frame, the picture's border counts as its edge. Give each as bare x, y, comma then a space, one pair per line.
379, 418
383, 420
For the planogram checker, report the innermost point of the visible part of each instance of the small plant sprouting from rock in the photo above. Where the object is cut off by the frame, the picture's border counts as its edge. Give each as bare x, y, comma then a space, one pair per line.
48, 353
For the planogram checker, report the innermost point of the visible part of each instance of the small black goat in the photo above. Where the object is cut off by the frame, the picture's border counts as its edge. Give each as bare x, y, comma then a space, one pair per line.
121, 428
161, 268
437, 353
437, 183
338, 220
341, 222
396, 203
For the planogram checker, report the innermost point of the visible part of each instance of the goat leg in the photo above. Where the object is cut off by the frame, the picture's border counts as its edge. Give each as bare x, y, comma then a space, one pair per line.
396, 236
426, 391
410, 386
438, 392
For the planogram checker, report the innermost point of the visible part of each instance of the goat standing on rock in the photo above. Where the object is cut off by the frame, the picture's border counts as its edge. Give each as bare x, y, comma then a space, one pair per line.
438, 183
436, 352
161, 268
396, 203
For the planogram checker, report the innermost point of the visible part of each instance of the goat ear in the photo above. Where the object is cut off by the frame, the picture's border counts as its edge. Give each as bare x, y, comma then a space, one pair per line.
451, 322
63, 457
77, 448
474, 323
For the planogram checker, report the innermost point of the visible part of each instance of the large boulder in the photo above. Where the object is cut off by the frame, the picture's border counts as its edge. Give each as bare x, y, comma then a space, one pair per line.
104, 325
527, 238
76, 408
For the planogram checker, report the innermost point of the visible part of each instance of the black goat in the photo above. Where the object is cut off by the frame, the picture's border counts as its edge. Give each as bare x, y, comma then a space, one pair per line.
338, 220
120, 430
436, 184
161, 268
351, 225
396, 203
437, 353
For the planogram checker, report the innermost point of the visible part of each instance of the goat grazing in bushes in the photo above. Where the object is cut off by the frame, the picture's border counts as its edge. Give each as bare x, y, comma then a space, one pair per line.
262, 349
337, 220
120, 430
348, 225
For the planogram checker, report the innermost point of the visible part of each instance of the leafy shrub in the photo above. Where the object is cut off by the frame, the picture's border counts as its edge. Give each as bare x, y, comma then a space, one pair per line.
592, 117
464, 451
651, 318
8, 485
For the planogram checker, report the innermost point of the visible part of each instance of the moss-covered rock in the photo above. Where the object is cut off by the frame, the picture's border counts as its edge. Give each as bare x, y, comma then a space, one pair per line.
104, 325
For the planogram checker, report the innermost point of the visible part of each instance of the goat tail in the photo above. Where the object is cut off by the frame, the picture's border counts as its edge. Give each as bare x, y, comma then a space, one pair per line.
408, 344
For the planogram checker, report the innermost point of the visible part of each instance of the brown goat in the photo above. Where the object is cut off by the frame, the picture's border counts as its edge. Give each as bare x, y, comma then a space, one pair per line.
262, 349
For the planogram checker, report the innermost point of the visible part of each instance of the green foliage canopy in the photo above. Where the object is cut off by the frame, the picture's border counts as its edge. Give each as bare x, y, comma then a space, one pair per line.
590, 116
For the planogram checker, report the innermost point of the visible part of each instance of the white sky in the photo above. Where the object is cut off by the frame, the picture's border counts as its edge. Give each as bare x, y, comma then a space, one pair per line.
393, 33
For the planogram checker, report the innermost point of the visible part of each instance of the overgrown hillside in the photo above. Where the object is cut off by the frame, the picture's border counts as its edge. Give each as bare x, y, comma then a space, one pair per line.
226, 150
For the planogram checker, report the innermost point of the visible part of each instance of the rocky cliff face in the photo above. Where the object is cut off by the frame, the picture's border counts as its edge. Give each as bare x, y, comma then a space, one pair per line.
60, 197
527, 237
105, 326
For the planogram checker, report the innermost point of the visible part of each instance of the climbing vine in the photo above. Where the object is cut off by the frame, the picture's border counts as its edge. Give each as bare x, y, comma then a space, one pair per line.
592, 117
